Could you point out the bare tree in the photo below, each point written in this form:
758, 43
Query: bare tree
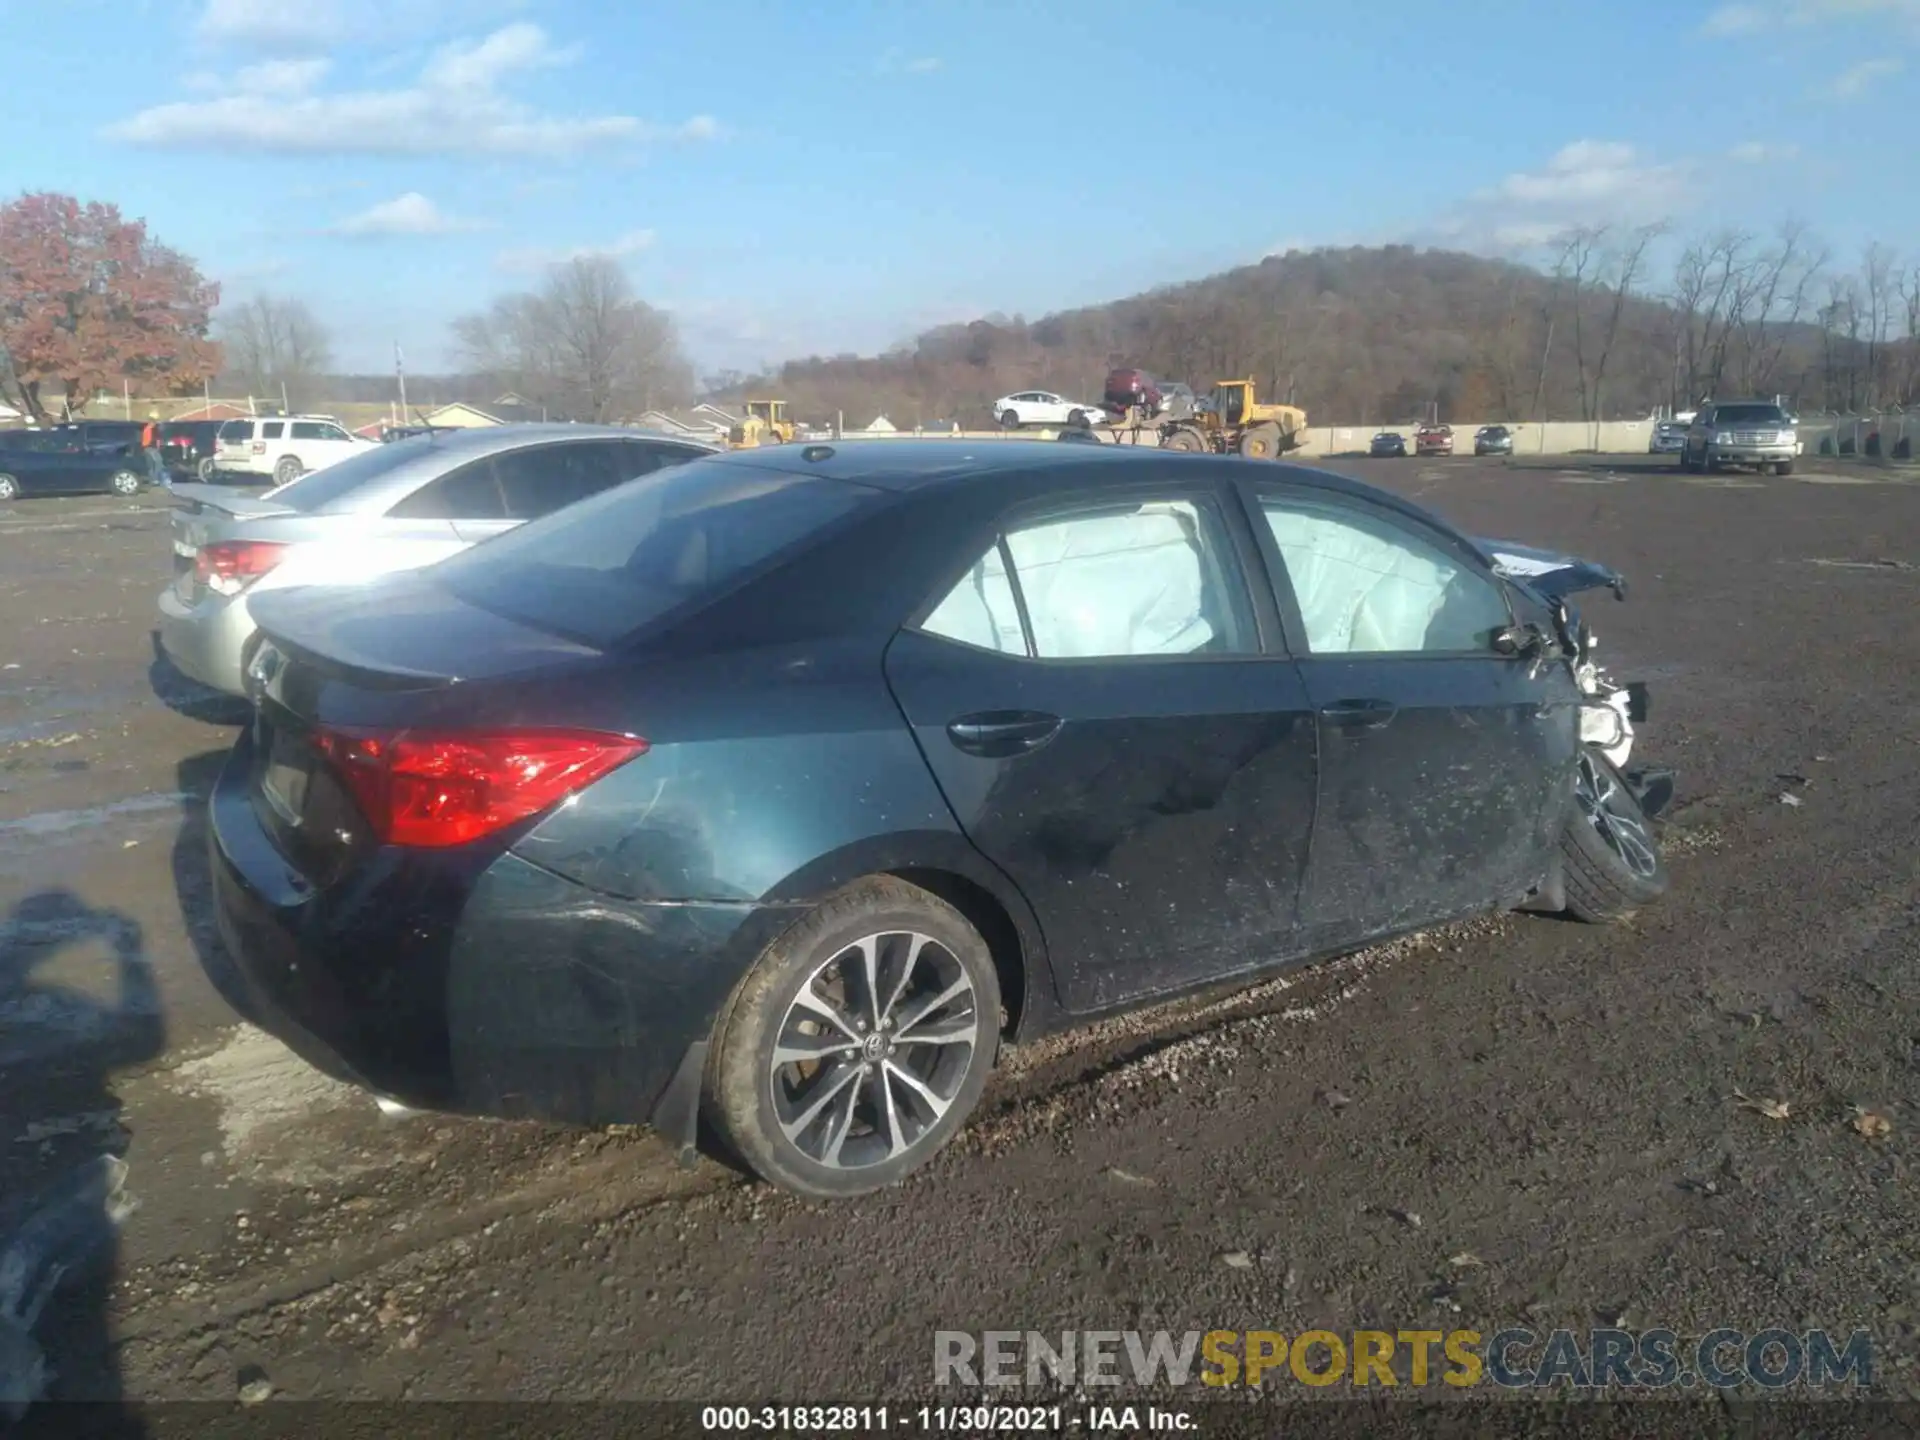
274, 345
1910, 345
1785, 277
1878, 288
583, 344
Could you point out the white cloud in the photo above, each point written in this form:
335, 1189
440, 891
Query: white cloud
409, 214
1857, 80
280, 77
280, 25
1758, 15
625, 247
898, 62
1759, 152
456, 107
1588, 182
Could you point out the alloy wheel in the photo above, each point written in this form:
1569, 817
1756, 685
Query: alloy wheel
874, 1050
1615, 816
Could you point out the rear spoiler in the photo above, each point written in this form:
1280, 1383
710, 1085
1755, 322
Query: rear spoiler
228, 500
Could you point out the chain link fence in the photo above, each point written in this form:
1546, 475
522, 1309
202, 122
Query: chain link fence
1891, 434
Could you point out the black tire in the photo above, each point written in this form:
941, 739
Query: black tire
1080, 420
1261, 442
745, 1090
1784, 467
287, 469
1009, 419
1186, 441
1608, 877
205, 470
9, 489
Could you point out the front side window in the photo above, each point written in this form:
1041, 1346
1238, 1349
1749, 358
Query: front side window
1111, 581
1368, 585
309, 430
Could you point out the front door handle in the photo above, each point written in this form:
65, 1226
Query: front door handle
1002, 734
1360, 714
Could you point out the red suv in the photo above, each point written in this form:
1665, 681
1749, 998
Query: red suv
1433, 440
1128, 388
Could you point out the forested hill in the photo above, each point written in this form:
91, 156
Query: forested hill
1371, 335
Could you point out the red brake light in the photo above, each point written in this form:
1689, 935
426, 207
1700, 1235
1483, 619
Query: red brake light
229, 566
435, 790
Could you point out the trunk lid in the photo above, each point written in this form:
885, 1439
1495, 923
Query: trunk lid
403, 632
202, 513
391, 656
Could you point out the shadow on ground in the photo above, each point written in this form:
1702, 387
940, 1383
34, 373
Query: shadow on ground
77, 1003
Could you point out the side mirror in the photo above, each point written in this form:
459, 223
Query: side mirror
1517, 642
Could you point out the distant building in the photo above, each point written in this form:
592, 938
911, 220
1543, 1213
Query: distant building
882, 426
509, 409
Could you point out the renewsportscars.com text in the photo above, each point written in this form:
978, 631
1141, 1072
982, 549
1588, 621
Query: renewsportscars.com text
1655, 1359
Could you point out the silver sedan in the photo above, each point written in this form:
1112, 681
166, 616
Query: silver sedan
397, 507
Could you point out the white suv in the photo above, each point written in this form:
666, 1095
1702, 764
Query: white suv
284, 447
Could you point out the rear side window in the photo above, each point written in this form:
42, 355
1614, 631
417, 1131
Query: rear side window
470, 493
1108, 582
318, 489
271, 429
602, 569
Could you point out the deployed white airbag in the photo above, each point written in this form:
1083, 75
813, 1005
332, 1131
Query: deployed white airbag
1359, 591
1125, 584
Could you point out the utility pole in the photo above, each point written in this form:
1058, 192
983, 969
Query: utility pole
400, 377
285, 408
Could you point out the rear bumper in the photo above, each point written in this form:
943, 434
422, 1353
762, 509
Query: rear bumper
205, 640
474, 982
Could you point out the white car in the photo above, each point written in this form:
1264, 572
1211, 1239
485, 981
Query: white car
284, 447
1042, 407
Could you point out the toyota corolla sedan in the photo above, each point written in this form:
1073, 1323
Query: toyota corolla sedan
784, 787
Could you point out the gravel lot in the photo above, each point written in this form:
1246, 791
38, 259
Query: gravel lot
1561, 1105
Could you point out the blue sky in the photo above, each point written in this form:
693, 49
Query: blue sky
790, 179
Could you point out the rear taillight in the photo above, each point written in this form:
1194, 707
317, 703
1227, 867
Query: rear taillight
434, 790
259, 447
229, 566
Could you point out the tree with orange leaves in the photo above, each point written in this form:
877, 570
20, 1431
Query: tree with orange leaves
88, 300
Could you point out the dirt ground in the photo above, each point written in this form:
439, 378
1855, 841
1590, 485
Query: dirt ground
1519, 1121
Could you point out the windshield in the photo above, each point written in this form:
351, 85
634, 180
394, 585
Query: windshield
601, 569
1749, 415
235, 431
318, 489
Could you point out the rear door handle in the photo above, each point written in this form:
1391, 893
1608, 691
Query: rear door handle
1360, 714
1002, 734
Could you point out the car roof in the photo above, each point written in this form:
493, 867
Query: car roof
910, 466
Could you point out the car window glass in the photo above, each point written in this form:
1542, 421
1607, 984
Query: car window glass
270, 429
309, 430
1367, 585
333, 432
236, 431
1143, 579
542, 478
470, 493
980, 610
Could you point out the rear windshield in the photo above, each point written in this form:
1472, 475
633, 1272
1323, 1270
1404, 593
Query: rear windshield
600, 570
236, 430
318, 489
1749, 415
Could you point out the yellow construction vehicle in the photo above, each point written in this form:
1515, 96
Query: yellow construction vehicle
766, 423
1231, 422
